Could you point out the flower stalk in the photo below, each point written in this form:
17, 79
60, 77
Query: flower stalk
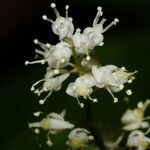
96, 132
88, 109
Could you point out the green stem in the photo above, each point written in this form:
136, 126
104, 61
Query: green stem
78, 64
91, 125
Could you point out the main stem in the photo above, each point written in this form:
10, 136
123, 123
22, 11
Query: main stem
92, 127
90, 121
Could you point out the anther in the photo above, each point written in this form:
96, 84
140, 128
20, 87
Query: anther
88, 58
41, 102
101, 44
53, 5
44, 17
26, 62
129, 92
36, 131
67, 7
115, 100
37, 114
36, 41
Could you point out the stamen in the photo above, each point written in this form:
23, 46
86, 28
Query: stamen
36, 91
111, 24
39, 52
35, 62
99, 13
119, 86
32, 88
94, 100
42, 45
42, 101
81, 104
103, 21
115, 99
39, 92
67, 7
147, 132
47, 19
37, 114
53, 5
49, 142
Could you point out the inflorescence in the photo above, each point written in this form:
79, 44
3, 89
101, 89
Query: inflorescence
72, 55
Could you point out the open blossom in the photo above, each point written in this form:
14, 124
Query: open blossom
95, 33
57, 56
112, 78
53, 123
138, 139
79, 138
82, 87
81, 43
91, 36
134, 119
62, 26
50, 83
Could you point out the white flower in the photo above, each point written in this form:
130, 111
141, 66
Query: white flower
50, 84
112, 78
95, 33
82, 87
138, 139
54, 123
134, 119
57, 56
82, 43
62, 26
79, 138
62, 52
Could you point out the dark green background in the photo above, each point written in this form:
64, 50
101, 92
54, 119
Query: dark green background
127, 44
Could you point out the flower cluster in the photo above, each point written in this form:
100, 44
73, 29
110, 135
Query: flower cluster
133, 120
72, 55
54, 123
134, 124
73, 50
